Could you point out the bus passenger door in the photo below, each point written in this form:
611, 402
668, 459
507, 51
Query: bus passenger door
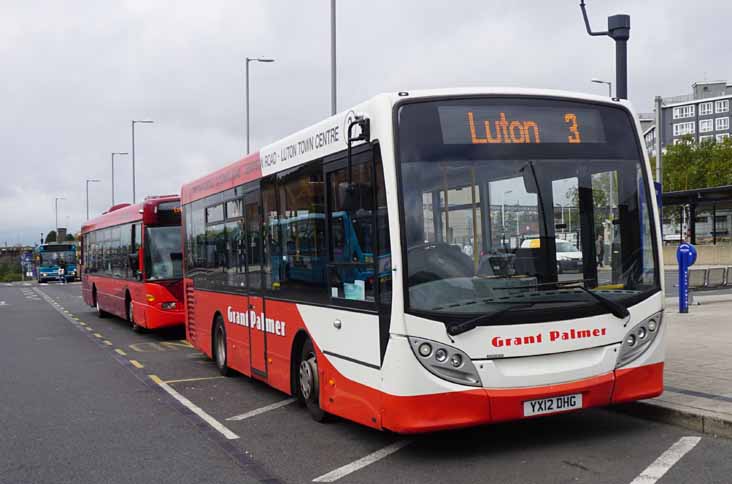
256, 279
257, 337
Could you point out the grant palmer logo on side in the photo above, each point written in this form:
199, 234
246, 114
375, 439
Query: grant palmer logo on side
256, 321
550, 337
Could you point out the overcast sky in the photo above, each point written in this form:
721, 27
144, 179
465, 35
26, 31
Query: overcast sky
74, 73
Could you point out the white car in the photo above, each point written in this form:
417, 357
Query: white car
569, 257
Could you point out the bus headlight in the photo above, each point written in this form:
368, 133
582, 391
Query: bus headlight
168, 305
446, 362
639, 339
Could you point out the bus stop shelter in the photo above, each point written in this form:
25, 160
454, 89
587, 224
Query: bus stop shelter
700, 216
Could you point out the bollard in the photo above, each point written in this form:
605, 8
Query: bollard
685, 256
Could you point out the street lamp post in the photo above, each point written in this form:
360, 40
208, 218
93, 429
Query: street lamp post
56, 206
113, 155
146, 121
246, 89
503, 213
87, 194
333, 105
609, 85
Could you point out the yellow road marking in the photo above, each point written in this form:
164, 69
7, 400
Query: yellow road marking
98, 335
107, 342
82, 323
136, 364
89, 328
194, 379
120, 352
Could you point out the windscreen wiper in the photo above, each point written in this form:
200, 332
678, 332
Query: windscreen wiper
459, 328
617, 309
462, 327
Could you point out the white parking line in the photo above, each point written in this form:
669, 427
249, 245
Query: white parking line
195, 409
333, 476
660, 466
262, 410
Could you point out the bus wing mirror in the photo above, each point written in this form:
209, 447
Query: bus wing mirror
529, 181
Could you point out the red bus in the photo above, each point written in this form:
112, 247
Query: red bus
371, 264
131, 258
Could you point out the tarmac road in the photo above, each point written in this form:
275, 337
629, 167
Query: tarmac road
84, 403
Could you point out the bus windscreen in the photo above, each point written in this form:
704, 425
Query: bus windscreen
514, 220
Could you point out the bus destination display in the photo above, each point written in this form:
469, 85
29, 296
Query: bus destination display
506, 124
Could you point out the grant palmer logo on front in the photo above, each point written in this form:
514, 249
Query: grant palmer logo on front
552, 336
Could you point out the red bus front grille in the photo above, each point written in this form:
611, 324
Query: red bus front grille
190, 313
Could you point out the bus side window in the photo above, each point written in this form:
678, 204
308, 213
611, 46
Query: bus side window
133, 259
301, 267
353, 236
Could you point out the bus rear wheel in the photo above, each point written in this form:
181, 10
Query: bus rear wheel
131, 318
308, 384
219, 347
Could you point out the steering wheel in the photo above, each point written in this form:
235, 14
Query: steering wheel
432, 261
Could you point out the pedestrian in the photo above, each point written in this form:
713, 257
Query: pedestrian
600, 249
62, 270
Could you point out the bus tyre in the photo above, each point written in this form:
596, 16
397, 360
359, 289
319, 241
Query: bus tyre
308, 385
100, 312
131, 318
219, 347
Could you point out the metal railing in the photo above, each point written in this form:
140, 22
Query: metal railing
709, 279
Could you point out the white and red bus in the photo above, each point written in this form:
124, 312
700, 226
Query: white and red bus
372, 264
132, 263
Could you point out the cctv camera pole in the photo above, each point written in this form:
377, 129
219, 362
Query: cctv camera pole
618, 29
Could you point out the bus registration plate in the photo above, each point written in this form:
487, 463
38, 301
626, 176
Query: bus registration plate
552, 404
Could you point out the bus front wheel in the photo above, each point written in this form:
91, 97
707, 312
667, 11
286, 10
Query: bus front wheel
100, 312
131, 318
308, 385
219, 347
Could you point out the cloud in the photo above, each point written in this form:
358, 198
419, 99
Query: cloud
76, 73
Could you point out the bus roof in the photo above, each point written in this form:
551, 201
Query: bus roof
329, 136
122, 213
230, 176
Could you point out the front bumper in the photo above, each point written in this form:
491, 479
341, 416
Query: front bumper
427, 413
156, 318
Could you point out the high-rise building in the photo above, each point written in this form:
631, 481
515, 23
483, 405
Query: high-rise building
704, 114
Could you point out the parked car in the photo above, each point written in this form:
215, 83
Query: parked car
569, 257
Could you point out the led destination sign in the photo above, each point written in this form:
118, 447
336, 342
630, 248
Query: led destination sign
520, 124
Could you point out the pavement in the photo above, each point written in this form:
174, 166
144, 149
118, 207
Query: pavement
85, 399
698, 369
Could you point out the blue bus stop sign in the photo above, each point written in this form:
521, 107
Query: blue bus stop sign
685, 256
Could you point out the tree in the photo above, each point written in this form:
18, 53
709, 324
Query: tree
689, 165
70, 238
51, 237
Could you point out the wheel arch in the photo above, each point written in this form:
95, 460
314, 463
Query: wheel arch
128, 300
217, 314
297, 343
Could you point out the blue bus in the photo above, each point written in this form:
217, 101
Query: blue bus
51, 257
302, 249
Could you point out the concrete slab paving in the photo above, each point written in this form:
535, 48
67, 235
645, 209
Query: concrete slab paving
698, 369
